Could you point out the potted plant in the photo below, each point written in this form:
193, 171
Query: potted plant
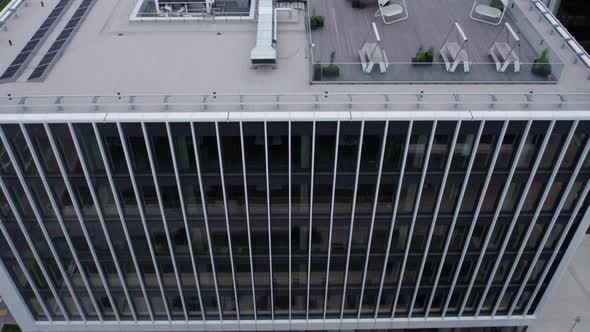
332, 69
497, 4
316, 21
317, 72
424, 57
10, 328
542, 65
430, 55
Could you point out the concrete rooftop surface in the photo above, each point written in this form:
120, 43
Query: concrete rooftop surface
111, 54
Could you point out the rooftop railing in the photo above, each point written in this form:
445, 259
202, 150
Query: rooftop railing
373, 103
427, 72
556, 28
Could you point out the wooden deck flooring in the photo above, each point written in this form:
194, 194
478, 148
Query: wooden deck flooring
429, 21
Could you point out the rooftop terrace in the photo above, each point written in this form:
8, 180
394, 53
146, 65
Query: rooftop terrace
428, 25
111, 54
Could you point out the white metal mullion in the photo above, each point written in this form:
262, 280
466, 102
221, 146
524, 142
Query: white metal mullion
39, 218
59, 217
562, 238
331, 218
373, 213
435, 216
414, 216
289, 208
22, 266
518, 209
100, 215
246, 203
310, 217
272, 307
501, 201
503, 196
231, 255
206, 219
23, 229
482, 196
394, 216
71, 192
143, 220
539, 208
454, 222
184, 218
350, 231
107, 168
163, 213
556, 214
562, 202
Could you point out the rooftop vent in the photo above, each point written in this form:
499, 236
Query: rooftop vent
264, 53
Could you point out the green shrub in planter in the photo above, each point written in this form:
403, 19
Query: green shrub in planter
316, 22
542, 65
497, 4
424, 57
429, 55
420, 55
11, 328
331, 70
317, 72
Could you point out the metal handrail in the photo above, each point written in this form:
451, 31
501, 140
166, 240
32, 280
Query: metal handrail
315, 101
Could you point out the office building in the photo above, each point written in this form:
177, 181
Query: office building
236, 166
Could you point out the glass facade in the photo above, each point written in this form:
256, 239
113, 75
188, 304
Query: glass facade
288, 220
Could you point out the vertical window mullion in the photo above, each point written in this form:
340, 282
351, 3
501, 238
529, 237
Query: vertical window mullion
185, 220
242, 148
60, 220
231, 256
356, 180
414, 216
310, 217
206, 218
373, 213
87, 236
22, 266
454, 222
290, 221
556, 252
40, 221
272, 306
164, 219
143, 220
435, 216
501, 200
534, 220
27, 237
331, 218
562, 202
480, 202
518, 209
107, 167
394, 215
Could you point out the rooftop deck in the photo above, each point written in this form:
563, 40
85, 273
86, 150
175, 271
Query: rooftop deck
428, 24
110, 55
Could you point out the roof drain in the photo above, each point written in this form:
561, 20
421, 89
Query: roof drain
265, 53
